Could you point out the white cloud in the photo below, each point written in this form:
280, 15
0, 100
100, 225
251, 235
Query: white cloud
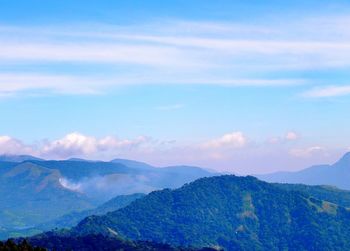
12, 146
76, 144
73, 145
70, 185
75, 84
110, 142
112, 53
288, 137
11, 83
234, 139
291, 136
329, 91
307, 152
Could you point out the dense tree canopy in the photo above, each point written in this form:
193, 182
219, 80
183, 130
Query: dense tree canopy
237, 213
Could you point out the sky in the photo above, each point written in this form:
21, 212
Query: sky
238, 86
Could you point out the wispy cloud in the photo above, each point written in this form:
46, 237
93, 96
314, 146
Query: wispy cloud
97, 84
307, 152
328, 91
172, 52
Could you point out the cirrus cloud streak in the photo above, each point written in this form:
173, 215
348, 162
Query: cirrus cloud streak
172, 52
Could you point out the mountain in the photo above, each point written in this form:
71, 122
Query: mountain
34, 191
105, 180
101, 181
52, 241
176, 176
72, 219
17, 158
21, 246
76, 170
327, 193
337, 175
166, 177
82, 160
133, 164
31, 194
117, 203
236, 213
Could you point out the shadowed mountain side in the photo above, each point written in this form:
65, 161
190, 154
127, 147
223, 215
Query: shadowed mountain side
72, 219
52, 241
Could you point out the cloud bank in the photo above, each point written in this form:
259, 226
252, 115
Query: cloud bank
232, 152
72, 145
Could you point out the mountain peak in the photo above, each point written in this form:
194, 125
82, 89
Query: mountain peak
232, 212
344, 161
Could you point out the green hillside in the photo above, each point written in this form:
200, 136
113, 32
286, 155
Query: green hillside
328, 193
30, 193
237, 213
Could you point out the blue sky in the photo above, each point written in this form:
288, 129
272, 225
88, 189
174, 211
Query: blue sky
229, 85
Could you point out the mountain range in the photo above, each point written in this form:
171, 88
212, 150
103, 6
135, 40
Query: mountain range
34, 191
337, 175
229, 212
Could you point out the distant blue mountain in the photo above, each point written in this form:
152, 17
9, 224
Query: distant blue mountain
103, 180
133, 164
79, 169
34, 191
337, 175
82, 160
17, 158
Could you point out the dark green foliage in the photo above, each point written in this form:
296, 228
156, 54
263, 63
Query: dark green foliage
10, 245
62, 242
117, 203
237, 213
